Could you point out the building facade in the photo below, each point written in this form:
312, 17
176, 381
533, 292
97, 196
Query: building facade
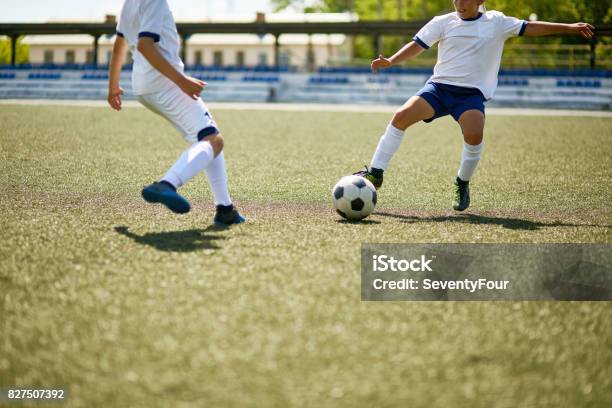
298, 50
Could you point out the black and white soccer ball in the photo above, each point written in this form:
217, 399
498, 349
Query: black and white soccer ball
354, 197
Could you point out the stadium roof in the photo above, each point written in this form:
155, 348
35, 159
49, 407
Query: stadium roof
220, 39
282, 17
197, 39
350, 28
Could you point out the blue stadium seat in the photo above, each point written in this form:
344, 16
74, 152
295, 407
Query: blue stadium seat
378, 79
240, 68
44, 75
578, 83
328, 80
260, 78
95, 75
513, 82
211, 78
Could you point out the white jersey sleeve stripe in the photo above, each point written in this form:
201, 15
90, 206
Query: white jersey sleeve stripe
512, 26
154, 36
151, 15
152, 19
421, 43
430, 34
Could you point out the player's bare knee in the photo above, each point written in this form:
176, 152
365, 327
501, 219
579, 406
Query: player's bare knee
216, 141
218, 144
211, 135
401, 119
473, 138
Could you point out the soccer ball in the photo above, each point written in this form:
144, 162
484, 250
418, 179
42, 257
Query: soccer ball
354, 197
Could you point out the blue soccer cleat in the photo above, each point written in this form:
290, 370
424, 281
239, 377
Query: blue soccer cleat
165, 194
227, 215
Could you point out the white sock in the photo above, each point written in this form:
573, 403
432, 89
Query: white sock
193, 160
217, 179
388, 145
469, 160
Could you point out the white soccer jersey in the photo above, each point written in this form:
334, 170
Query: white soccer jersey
470, 51
150, 18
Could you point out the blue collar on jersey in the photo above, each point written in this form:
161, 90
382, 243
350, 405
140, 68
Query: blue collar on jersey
473, 18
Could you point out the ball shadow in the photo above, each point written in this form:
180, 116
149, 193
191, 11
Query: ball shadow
358, 222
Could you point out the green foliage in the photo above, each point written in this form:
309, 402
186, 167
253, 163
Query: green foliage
5, 52
282, 4
595, 12
554, 10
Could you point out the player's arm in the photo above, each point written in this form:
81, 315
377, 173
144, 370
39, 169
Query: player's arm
191, 86
117, 59
542, 28
410, 50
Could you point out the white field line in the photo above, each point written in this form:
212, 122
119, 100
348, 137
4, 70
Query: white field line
318, 107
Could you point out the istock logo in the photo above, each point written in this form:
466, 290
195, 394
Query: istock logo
384, 263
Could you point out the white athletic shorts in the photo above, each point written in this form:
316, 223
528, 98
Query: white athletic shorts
190, 117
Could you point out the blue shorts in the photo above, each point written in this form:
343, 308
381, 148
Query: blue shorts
451, 100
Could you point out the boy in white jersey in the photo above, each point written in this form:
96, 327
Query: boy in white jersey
471, 44
148, 29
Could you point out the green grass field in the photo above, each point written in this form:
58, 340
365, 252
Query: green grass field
131, 306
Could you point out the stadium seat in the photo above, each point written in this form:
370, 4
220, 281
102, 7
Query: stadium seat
378, 79
260, 78
325, 80
211, 78
44, 75
100, 76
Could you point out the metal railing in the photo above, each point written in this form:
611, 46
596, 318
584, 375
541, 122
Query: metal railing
523, 56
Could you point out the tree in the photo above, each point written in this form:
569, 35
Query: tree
599, 11
22, 51
592, 11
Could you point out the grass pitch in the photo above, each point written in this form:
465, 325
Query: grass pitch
130, 305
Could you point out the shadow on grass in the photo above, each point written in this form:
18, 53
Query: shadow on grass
176, 241
505, 222
358, 222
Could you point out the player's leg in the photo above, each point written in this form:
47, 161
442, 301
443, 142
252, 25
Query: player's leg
196, 158
472, 125
196, 125
414, 110
196, 118
192, 161
163, 191
216, 174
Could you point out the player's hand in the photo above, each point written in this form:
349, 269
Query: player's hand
193, 87
584, 29
380, 62
114, 97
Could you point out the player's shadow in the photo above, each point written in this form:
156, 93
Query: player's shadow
505, 222
176, 241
